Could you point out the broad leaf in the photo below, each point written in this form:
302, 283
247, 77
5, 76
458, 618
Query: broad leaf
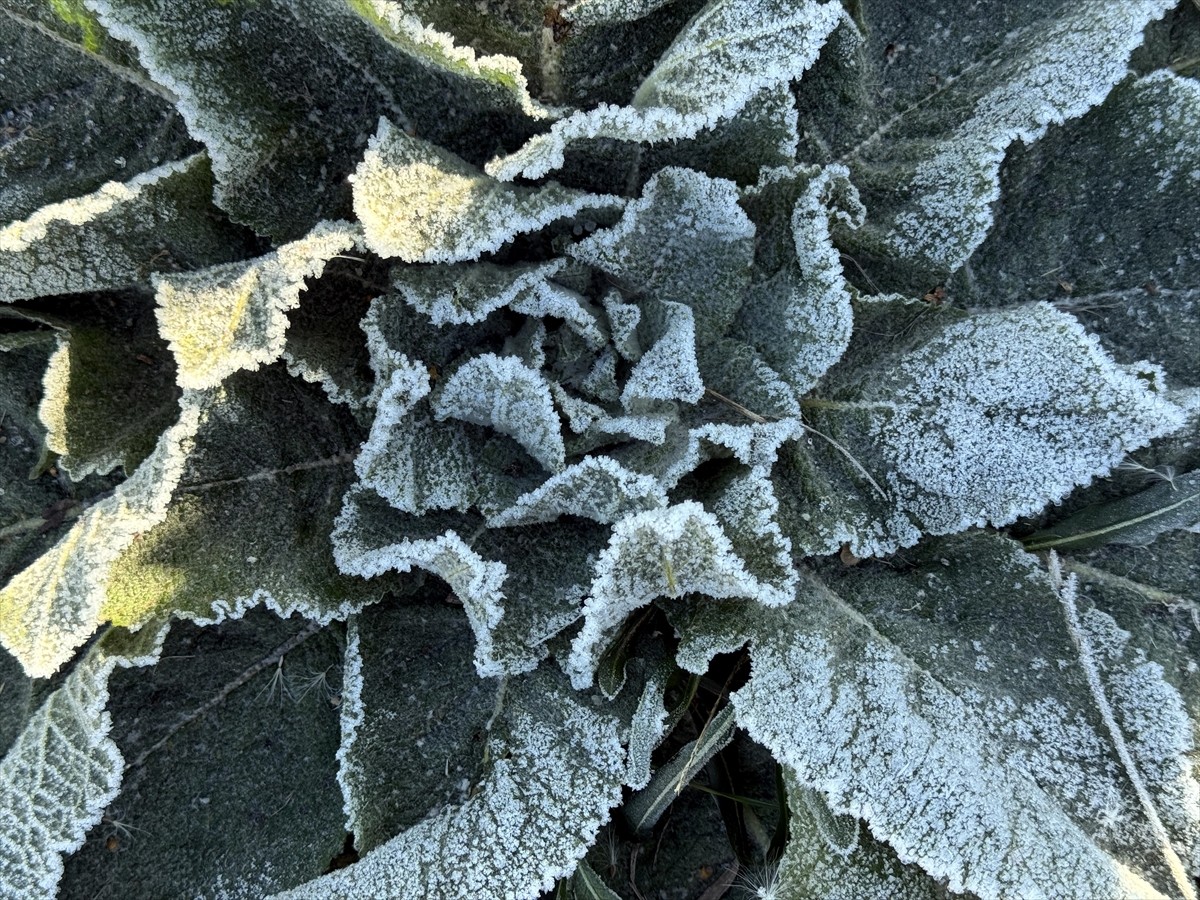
554, 771
728, 53
941, 422
232, 317
256, 694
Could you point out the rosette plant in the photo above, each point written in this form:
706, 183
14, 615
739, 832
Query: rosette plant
612, 448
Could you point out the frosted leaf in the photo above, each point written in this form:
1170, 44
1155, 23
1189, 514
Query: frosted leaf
56, 603
232, 317
249, 520
854, 717
421, 203
556, 771
1136, 519
967, 421
469, 293
109, 389
706, 630
646, 807
601, 381
684, 241
63, 769
498, 76
668, 370
734, 371
397, 769
800, 317
427, 544
762, 134
604, 12
261, 115
501, 392
221, 697
596, 488
1127, 245
728, 53
554, 300
596, 427
659, 553
62, 142
748, 511
117, 235
834, 857
646, 730
623, 319
1023, 670
1044, 72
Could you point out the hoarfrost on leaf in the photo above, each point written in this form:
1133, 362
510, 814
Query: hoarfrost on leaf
596, 487
556, 771
421, 203
659, 553
232, 317
503, 393
730, 52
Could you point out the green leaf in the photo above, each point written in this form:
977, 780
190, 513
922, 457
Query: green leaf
942, 422
993, 714
79, 112
232, 317
929, 172
250, 518
730, 52
555, 771
421, 203
1137, 519
53, 605
278, 168
414, 718
587, 885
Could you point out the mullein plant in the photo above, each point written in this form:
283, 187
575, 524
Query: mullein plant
612, 448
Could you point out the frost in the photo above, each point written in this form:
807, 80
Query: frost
668, 370
685, 241
800, 319
421, 203
1055, 71
115, 236
882, 740
659, 553
475, 581
556, 771
730, 51
233, 317
646, 731
62, 771
1005, 412
586, 13
452, 295
597, 488
748, 511
53, 605
503, 393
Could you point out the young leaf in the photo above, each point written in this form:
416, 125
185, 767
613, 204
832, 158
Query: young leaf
660, 553
596, 487
501, 392
646, 806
